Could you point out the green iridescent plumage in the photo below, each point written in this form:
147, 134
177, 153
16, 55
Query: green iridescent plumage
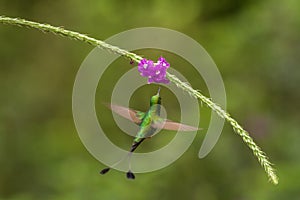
148, 123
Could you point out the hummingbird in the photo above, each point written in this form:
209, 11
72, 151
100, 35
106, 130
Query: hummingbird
148, 123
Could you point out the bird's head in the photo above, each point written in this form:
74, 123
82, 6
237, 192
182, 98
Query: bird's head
155, 99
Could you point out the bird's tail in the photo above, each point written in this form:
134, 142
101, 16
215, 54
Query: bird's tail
136, 144
129, 174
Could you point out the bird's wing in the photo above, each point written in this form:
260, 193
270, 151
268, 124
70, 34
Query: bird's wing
166, 124
158, 122
133, 115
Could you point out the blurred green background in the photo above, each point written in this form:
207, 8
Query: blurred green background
256, 46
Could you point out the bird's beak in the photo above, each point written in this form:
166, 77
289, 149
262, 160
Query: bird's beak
158, 91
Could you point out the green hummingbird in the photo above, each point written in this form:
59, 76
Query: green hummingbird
148, 123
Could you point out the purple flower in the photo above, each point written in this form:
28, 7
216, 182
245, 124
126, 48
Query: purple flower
146, 67
156, 72
162, 61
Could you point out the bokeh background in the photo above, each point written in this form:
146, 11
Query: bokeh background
256, 46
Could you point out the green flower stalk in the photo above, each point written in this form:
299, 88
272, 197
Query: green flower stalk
258, 153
